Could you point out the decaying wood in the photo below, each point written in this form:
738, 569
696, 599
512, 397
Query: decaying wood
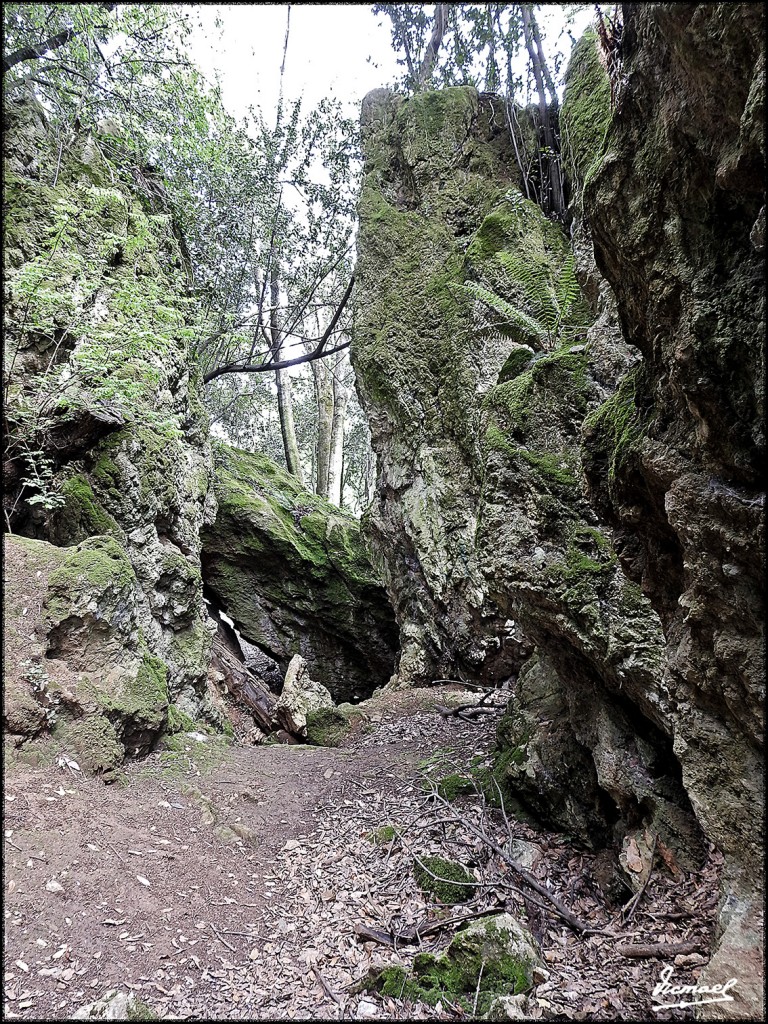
242, 684
662, 949
468, 712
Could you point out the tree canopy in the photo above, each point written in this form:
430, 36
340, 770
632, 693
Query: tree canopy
264, 208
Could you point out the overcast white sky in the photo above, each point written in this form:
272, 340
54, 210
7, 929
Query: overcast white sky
328, 51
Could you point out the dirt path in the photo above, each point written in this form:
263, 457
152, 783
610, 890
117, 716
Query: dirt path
231, 889
153, 881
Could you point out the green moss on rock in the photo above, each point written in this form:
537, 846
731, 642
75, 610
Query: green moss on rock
453, 785
519, 359
292, 572
589, 555
586, 112
326, 728
98, 568
489, 959
92, 741
81, 516
138, 1010
612, 433
453, 883
178, 721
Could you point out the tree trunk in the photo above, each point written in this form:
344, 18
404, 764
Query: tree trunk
283, 383
433, 46
552, 197
325, 413
336, 466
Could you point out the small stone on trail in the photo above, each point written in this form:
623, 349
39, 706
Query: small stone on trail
366, 1010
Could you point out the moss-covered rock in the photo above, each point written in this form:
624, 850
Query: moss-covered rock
102, 401
586, 112
489, 958
679, 465
482, 373
93, 742
327, 728
445, 880
292, 572
116, 1006
437, 170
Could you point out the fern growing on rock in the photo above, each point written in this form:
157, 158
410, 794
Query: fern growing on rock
550, 311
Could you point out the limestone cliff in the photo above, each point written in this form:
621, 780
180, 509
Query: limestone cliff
292, 573
477, 368
106, 460
436, 166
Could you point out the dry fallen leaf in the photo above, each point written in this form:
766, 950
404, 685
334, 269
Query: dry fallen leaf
143, 880
634, 860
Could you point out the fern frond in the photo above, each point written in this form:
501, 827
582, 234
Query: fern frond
567, 289
510, 313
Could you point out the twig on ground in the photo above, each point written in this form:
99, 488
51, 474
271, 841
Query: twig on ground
118, 855
326, 987
477, 990
415, 935
562, 911
221, 939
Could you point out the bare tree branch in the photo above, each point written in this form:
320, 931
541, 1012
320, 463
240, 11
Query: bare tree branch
319, 352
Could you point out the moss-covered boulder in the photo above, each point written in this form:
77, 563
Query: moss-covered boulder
327, 727
445, 880
81, 680
292, 573
489, 958
106, 431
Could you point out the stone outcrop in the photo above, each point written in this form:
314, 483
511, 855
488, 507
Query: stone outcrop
436, 167
598, 488
301, 698
292, 573
107, 457
480, 474
677, 463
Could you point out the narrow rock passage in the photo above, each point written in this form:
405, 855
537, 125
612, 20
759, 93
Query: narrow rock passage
234, 890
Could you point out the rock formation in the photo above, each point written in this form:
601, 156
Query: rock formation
106, 463
436, 166
597, 487
291, 571
675, 206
